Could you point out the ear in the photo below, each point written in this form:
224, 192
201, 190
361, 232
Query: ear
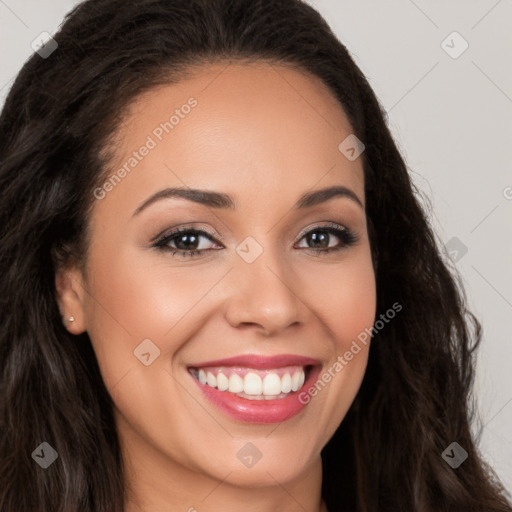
70, 297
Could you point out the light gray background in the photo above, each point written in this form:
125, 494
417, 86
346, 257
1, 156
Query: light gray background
452, 120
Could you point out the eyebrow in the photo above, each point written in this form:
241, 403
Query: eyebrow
221, 200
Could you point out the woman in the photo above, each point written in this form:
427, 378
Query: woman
219, 290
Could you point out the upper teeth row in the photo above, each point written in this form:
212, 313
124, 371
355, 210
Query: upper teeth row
252, 383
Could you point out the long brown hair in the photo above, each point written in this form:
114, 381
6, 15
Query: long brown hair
61, 112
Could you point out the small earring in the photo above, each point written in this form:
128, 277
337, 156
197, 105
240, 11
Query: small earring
70, 320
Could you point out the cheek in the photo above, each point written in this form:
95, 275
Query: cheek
349, 313
347, 300
353, 314
127, 305
146, 297
138, 298
356, 304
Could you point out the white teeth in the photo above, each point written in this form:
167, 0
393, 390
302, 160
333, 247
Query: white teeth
286, 383
252, 384
236, 384
222, 382
296, 384
211, 380
271, 384
264, 385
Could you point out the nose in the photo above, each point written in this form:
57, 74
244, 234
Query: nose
263, 295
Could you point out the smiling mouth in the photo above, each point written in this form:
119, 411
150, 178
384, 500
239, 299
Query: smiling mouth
252, 383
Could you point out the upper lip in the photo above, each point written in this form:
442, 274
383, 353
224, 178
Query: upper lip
260, 362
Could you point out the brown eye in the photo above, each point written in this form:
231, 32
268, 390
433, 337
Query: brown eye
319, 238
185, 242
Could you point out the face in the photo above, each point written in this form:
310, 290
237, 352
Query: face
261, 294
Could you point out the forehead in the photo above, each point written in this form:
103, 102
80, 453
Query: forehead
260, 128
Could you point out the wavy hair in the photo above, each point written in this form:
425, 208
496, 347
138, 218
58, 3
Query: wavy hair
56, 130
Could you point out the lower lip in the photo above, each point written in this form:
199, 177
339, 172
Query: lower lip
258, 411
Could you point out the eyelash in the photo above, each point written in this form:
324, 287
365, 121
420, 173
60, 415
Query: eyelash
346, 236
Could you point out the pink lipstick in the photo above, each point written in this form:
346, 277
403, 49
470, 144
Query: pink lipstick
255, 388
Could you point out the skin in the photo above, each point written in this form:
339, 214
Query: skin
265, 134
